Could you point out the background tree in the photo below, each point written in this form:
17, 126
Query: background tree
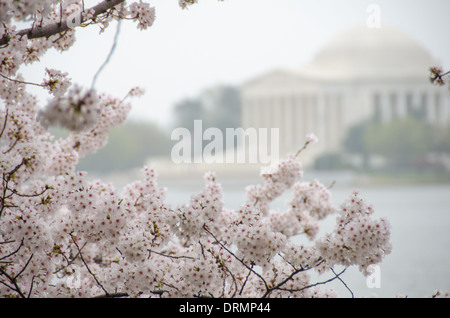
355, 142
218, 106
405, 144
129, 146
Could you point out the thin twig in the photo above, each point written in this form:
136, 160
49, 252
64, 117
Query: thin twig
284, 281
343, 282
4, 123
16, 287
21, 82
14, 191
315, 284
237, 258
13, 280
111, 52
14, 252
170, 256
245, 282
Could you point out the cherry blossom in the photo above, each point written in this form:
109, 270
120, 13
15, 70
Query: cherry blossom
144, 14
77, 111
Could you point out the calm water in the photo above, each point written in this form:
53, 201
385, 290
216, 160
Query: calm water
420, 218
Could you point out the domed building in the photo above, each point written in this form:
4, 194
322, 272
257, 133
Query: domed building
363, 73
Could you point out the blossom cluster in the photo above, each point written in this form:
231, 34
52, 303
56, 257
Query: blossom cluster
310, 203
185, 3
77, 111
57, 82
144, 14
358, 239
438, 76
278, 177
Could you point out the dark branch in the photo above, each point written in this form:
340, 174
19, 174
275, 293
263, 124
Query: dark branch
169, 256
343, 282
13, 280
336, 276
237, 258
87, 267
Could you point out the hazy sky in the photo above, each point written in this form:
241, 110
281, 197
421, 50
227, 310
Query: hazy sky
187, 51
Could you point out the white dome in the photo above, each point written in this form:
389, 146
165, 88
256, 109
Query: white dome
362, 52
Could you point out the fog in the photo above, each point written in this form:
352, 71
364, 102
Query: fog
229, 42
199, 59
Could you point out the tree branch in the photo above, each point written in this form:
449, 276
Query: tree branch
237, 258
169, 256
338, 276
12, 253
13, 280
113, 48
20, 82
59, 27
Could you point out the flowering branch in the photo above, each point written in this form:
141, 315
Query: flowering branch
336, 276
340, 279
250, 268
13, 278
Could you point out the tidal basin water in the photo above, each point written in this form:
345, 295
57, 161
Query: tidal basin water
420, 217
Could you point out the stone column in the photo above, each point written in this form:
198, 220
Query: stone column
307, 117
401, 105
447, 98
393, 104
430, 109
444, 109
290, 117
331, 122
340, 128
245, 112
320, 117
276, 116
298, 121
438, 107
304, 118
